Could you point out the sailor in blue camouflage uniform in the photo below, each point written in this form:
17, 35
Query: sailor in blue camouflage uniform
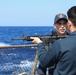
60, 23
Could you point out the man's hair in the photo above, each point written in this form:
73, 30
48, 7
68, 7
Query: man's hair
72, 14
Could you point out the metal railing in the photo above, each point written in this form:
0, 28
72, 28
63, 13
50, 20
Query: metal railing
18, 60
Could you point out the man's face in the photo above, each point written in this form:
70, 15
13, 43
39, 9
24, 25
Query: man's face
61, 26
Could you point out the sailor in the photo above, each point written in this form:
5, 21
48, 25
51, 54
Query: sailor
60, 23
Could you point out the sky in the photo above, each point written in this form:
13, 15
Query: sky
32, 12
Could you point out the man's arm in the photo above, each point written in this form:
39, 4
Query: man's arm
48, 58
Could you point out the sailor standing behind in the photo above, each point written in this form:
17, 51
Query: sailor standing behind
60, 23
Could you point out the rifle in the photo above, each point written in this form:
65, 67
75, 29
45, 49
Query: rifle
45, 38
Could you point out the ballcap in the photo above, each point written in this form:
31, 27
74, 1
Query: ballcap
60, 16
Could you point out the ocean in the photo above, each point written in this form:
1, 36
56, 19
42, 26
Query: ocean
18, 59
